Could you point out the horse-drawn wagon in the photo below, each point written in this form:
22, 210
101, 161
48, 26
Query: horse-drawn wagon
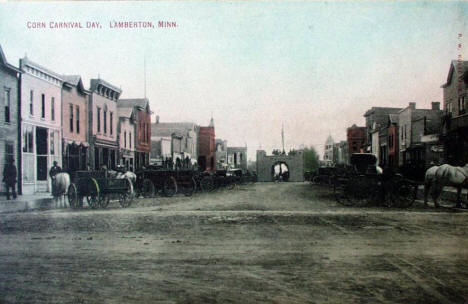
167, 181
364, 183
98, 189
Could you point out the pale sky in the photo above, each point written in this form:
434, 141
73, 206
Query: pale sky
314, 66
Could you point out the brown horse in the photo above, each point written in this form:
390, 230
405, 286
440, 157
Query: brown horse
438, 177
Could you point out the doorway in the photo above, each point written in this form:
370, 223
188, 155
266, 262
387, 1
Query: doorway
41, 153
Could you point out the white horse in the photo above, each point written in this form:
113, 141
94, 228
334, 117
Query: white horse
437, 177
131, 178
60, 184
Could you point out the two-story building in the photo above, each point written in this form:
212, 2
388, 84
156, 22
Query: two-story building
9, 119
221, 154
74, 124
126, 130
142, 122
379, 116
102, 124
41, 125
207, 147
237, 158
455, 131
413, 124
356, 138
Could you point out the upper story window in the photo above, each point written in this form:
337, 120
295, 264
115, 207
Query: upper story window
42, 106
7, 105
52, 108
77, 119
461, 105
98, 119
105, 121
125, 139
111, 118
130, 139
71, 118
31, 102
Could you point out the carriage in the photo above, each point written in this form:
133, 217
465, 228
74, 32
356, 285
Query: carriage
156, 179
227, 178
98, 189
363, 183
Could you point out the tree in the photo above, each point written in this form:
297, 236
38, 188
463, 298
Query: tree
276, 152
311, 159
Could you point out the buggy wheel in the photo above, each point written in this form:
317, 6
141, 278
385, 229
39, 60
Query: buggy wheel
147, 188
404, 194
73, 196
206, 184
359, 191
190, 188
170, 186
339, 191
104, 201
124, 200
92, 197
316, 180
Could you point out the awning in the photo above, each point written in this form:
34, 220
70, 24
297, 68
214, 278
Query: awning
76, 143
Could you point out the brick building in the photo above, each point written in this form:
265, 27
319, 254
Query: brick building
102, 124
207, 148
9, 118
455, 131
356, 138
74, 124
41, 125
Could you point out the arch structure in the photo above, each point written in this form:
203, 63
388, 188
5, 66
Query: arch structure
266, 164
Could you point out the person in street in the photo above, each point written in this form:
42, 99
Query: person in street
53, 171
9, 178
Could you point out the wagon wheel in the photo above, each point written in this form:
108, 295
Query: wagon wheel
404, 194
92, 197
359, 191
231, 184
206, 184
126, 198
316, 180
170, 186
104, 201
339, 186
147, 188
191, 187
73, 196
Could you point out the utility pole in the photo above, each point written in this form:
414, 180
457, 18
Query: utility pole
144, 71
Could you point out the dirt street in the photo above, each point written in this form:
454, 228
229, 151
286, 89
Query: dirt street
263, 243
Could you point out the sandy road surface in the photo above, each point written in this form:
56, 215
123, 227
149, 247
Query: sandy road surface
264, 243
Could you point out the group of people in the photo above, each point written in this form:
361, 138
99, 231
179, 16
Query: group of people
10, 177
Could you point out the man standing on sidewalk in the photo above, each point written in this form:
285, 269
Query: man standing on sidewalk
53, 171
9, 178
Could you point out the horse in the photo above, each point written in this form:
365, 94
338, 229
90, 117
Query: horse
438, 177
60, 184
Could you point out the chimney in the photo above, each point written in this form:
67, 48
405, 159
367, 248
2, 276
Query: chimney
157, 119
412, 105
435, 105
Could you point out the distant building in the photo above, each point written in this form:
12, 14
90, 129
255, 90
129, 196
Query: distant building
74, 124
142, 134
41, 125
126, 129
221, 154
207, 147
9, 119
356, 138
328, 152
379, 116
174, 140
414, 124
340, 153
237, 158
455, 131
102, 127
